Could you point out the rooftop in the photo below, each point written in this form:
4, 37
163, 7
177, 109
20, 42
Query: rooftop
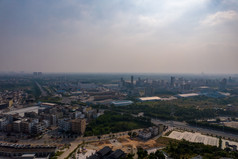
149, 98
104, 151
121, 102
188, 95
28, 155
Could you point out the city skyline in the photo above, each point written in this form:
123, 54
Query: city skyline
154, 36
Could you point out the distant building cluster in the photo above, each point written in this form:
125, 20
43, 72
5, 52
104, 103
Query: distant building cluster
37, 73
13, 98
68, 119
68, 105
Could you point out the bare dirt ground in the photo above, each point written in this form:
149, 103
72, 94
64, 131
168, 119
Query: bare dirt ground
232, 124
125, 143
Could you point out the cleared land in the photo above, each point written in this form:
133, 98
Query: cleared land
233, 124
125, 143
195, 137
199, 138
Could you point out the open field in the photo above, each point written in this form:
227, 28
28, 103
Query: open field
232, 124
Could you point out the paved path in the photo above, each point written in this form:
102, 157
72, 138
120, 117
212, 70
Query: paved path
43, 92
67, 152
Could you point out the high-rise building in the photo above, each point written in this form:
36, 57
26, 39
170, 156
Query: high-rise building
172, 81
122, 84
38, 128
223, 84
78, 126
37, 73
132, 80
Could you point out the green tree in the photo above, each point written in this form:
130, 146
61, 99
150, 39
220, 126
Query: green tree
141, 153
130, 133
159, 155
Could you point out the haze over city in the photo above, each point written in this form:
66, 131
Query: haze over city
156, 36
120, 79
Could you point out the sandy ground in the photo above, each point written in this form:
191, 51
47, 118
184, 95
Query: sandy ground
85, 155
124, 143
232, 124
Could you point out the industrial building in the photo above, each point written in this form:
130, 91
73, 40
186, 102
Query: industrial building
146, 99
122, 103
187, 95
16, 151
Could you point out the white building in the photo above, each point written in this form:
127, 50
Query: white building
146, 99
122, 103
187, 95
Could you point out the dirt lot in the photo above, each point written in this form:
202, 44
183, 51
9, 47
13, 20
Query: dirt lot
126, 144
231, 124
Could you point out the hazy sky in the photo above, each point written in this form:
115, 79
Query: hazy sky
160, 36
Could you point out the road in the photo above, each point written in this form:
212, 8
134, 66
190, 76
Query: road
67, 152
43, 92
185, 126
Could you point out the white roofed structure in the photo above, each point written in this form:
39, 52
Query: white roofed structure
144, 99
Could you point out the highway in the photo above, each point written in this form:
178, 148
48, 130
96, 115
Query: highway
43, 92
185, 126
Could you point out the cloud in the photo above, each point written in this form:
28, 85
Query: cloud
220, 17
151, 35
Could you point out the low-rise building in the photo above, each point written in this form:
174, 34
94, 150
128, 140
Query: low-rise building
122, 103
16, 151
64, 124
145, 134
38, 128
107, 153
78, 126
149, 132
146, 99
3, 123
26, 127
187, 95
17, 126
